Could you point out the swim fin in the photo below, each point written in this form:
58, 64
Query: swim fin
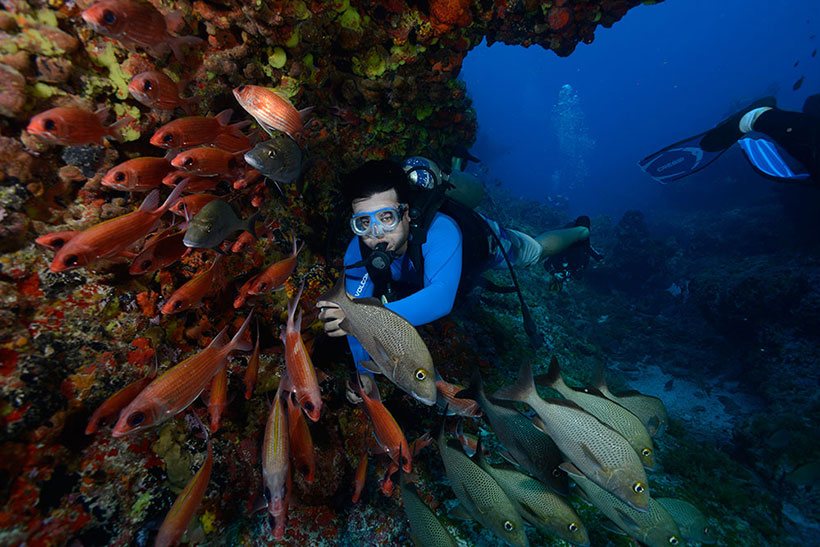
678, 160
727, 132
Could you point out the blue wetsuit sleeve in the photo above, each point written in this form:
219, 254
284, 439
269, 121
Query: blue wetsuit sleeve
442, 273
357, 284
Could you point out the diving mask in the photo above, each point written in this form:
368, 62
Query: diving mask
377, 223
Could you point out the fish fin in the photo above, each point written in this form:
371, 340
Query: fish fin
522, 390
529, 512
220, 339
114, 128
570, 469
507, 456
459, 512
294, 304
553, 375
475, 389
306, 113
176, 44
150, 202
588, 453
251, 224
173, 197
237, 342
610, 526
224, 117
629, 521
369, 365
102, 114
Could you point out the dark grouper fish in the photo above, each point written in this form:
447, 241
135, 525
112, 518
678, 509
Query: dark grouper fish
395, 346
597, 449
279, 158
479, 494
214, 223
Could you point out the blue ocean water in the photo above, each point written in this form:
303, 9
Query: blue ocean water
662, 73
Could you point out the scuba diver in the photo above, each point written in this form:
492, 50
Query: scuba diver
416, 248
781, 145
572, 262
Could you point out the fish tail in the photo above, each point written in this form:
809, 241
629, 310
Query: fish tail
306, 114
522, 389
224, 117
150, 202
553, 376
294, 304
113, 130
251, 224
237, 342
173, 197
475, 389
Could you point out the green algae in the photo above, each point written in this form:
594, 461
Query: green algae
277, 58
117, 78
424, 111
373, 65
45, 91
300, 10
140, 506
350, 19
128, 133
177, 461
295, 36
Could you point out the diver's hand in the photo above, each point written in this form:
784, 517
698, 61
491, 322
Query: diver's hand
333, 316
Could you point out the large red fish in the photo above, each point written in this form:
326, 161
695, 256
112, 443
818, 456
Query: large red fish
275, 275
271, 110
157, 90
137, 175
388, 432
208, 162
180, 385
276, 463
299, 366
189, 206
190, 294
112, 237
163, 249
139, 24
71, 126
179, 516
200, 130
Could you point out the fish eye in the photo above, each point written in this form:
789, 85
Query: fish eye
167, 138
135, 419
189, 161
177, 304
556, 473
673, 540
49, 124
147, 85
509, 526
421, 375
145, 264
263, 286
119, 176
572, 527
72, 260
109, 17
638, 488
646, 452
240, 89
308, 406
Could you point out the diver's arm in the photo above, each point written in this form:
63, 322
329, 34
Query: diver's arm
442, 273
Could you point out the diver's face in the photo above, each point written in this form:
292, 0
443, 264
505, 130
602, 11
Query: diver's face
396, 239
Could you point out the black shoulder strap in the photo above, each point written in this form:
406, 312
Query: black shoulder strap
423, 208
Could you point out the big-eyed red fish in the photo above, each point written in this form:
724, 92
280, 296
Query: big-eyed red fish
180, 385
161, 250
137, 175
119, 400
275, 275
201, 130
298, 364
71, 126
139, 24
190, 294
111, 237
189, 206
272, 111
157, 90
388, 432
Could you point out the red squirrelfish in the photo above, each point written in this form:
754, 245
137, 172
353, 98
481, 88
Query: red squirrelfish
200, 130
276, 464
189, 206
74, 126
156, 90
388, 433
218, 398
190, 294
242, 297
249, 177
114, 404
196, 183
137, 23
242, 242
180, 385
185, 507
137, 175
272, 111
252, 370
301, 443
208, 162
275, 275
455, 406
299, 366
55, 240
163, 249
112, 237
361, 476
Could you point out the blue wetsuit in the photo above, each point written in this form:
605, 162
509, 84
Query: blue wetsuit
442, 272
